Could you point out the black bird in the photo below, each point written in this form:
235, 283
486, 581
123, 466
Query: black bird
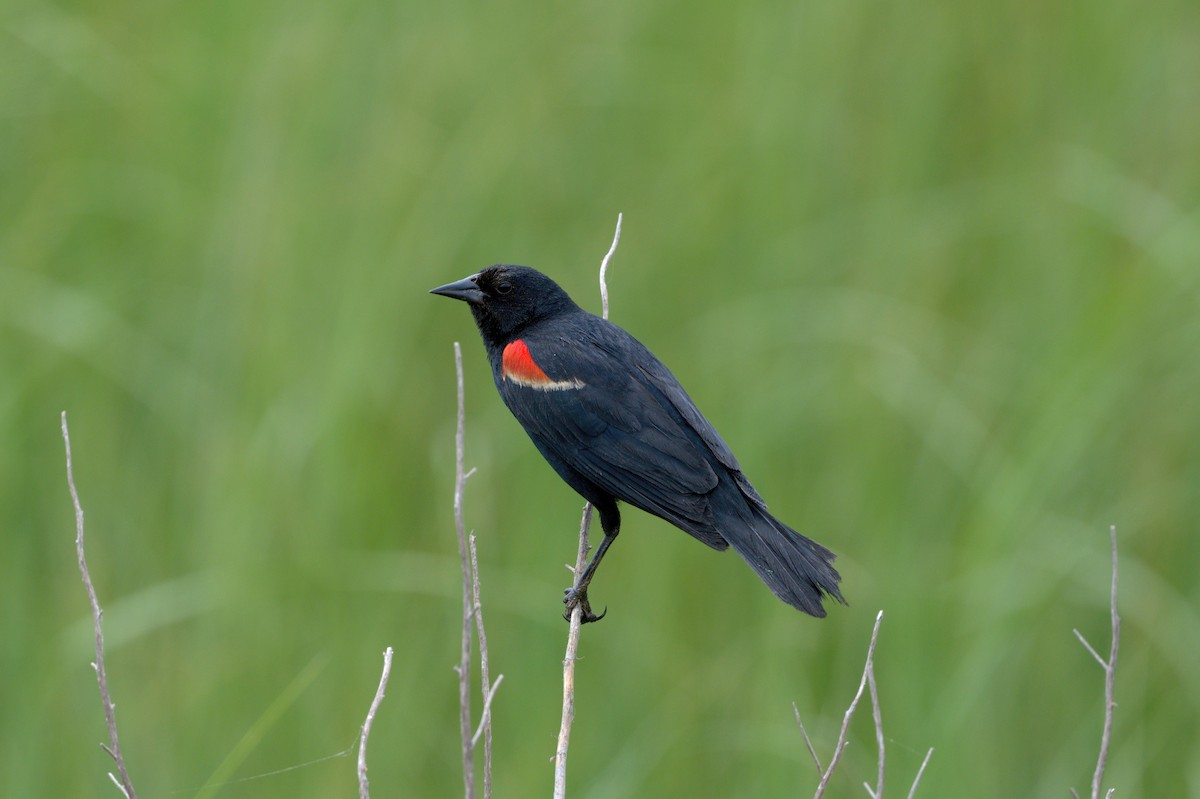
617, 426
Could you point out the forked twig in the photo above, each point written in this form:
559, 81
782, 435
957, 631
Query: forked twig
1110, 674
862, 684
125, 785
867, 681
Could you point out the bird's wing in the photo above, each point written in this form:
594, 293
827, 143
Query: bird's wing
618, 429
657, 375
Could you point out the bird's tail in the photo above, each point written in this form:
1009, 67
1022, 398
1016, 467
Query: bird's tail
798, 570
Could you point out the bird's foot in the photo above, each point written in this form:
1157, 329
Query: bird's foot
573, 597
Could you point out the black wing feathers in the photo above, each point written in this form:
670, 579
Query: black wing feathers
632, 432
618, 431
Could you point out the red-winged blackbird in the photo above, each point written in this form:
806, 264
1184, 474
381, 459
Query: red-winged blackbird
616, 425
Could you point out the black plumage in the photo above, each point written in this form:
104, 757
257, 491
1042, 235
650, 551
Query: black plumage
616, 425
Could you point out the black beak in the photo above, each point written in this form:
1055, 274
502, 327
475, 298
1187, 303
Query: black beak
466, 290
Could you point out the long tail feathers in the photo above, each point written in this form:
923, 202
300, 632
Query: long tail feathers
798, 570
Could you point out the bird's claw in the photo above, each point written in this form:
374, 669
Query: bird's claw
573, 598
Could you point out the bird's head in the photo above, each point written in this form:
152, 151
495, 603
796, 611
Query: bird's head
505, 299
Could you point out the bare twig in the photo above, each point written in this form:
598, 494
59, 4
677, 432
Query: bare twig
568, 707
917, 779
568, 704
486, 685
807, 740
862, 684
364, 791
485, 721
472, 609
464, 663
604, 268
1103, 663
867, 681
878, 717
1110, 673
125, 785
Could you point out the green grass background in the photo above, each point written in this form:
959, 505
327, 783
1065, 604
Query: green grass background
932, 268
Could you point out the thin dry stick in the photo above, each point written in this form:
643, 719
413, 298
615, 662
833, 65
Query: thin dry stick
604, 268
878, 716
364, 792
568, 704
868, 680
568, 707
1110, 673
487, 710
841, 741
489, 690
125, 785
464, 663
917, 779
807, 740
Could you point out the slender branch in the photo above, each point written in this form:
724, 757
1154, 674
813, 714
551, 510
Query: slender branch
464, 663
604, 268
1103, 663
485, 721
807, 740
867, 681
364, 792
568, 703
110, 717
878, 717
488, 688
1110, 673
862, 684
568, 707
472, 609
917, 779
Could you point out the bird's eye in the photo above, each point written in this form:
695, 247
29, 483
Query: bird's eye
503, 287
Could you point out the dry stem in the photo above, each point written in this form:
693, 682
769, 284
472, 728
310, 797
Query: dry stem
568, 706
867, 681
807, 740
364, 791
1110, 673
125, 785
464, 661
878, 717
862, 684
472, 609
486, 685
917, 779
604, 268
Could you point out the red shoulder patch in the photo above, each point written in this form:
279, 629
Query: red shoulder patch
517, 365
520, 367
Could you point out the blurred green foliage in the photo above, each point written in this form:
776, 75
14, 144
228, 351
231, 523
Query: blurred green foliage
931, 268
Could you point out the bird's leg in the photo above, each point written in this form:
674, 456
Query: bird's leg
610, 522
577, 594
